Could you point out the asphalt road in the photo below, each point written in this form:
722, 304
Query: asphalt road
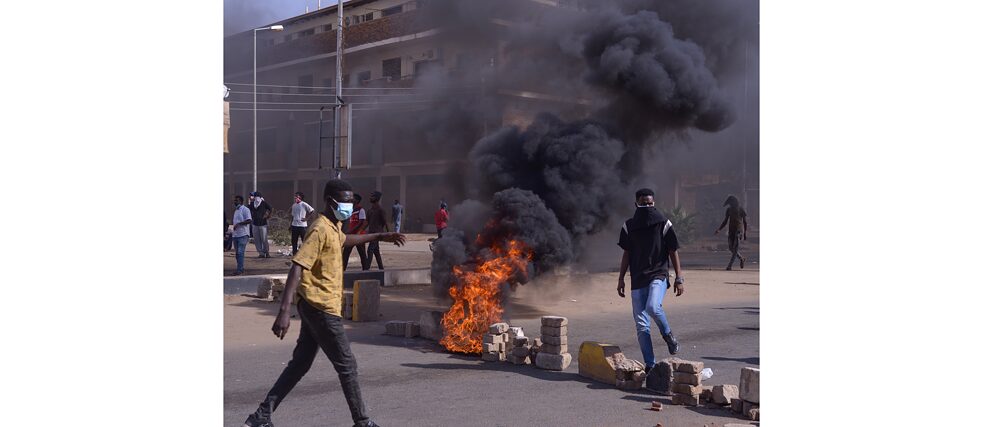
412, 382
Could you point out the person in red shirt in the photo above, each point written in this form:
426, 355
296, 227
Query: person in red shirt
440, 218
356, 225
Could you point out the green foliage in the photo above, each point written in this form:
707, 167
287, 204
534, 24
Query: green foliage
279, 227
683, 223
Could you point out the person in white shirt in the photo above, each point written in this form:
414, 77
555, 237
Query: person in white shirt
240, 232
299, 212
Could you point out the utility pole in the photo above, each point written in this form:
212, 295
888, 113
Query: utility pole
337, 84
747, 60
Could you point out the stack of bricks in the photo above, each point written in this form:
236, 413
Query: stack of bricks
517, 348
493, 343
686, 388
402, 328
553, 354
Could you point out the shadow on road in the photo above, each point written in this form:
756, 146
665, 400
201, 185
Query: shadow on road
749, 360
744, 328
527, 370
743, 283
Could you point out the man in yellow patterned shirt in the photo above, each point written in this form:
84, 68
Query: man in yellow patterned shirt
316, 277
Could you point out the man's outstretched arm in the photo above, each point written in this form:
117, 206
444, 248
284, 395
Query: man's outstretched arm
358, 239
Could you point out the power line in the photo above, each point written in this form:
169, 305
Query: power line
348, 88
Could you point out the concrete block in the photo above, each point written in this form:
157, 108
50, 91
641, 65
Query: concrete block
521, 351
492, 348
689, 366
548, 339
347, 300
517, 360
690, 390
516, 332
553, 362
556, 332
365, 301
596, 361
553, 321
685, 378
749, 409
750, 382
493, 339
430, 327
685, 399
555, 349
498, 328
265, 288
521, 341
725, 394
706, 395
412, 329
659, 378
754, 414
737, 405
396, 327
490, 356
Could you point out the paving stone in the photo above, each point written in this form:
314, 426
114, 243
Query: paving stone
749, 388
689, 366
555, 349
556, 332
493, 348
493, 339
498, 328
691, 390
685, 378
685, 399
553, 362
365, 302
430, 327
725, 394
548, 339
659, 378
412, 329
553, 321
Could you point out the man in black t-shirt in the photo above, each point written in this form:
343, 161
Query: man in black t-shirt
735, 217
261, 212
649, 243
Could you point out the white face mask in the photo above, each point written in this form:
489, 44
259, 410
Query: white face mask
343, 211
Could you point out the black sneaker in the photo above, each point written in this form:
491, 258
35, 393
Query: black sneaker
254, 421
742, 263
671, 343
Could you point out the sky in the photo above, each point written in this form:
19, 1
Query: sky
242, 15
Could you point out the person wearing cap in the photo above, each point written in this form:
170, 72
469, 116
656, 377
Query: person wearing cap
377, 224
261, 212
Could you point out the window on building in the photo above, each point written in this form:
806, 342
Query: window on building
305, 82
326, 28
364, 76
368, 16
392, 10
305, 33
392, 68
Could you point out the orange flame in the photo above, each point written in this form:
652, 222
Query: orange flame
477, 296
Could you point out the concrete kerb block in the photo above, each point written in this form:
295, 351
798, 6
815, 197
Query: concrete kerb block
412, 329
750, 384
265, 288
553, 321
430, 326
555, 349
347, 301
556, 332
553, 362
725, 394
549, 339
596, 361
365, 301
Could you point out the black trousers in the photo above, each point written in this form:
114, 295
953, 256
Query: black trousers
296, 232
374, 251
734, 244
318, 330
347, 253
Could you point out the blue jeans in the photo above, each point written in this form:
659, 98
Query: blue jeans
647, 303
240, 245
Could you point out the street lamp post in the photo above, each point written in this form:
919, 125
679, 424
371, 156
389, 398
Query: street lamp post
256, 30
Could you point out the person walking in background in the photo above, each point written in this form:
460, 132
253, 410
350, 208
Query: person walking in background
356, 225
734, 216
298, 222
377, 224
316, 278
240, 232
397, 216
261, 212
440, 218
649, 244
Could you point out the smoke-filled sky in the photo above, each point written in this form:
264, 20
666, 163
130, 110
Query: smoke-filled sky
242, 15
